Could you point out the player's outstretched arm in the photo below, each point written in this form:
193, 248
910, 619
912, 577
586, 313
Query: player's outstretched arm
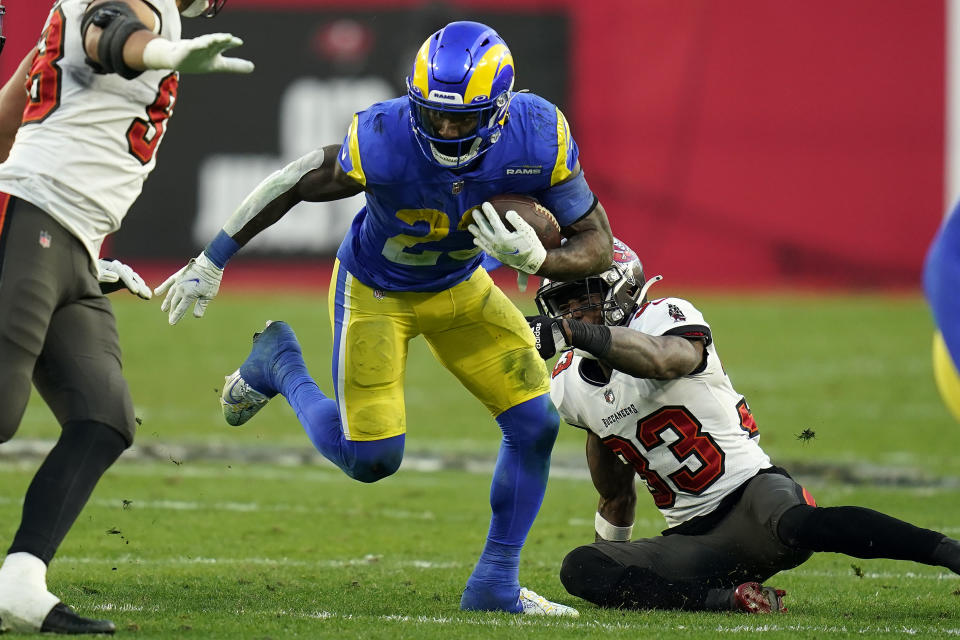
621, 348
314, 178
120, 36
645, 356
203, 54
614, 481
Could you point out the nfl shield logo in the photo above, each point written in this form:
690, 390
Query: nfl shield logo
378, 294
456, 187
608, 396
45, 239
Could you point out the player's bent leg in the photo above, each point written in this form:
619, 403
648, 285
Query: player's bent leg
361, 429
589, 573
275, 365
363, 460
371, 460
519, 483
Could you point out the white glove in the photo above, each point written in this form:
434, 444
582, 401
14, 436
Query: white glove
197, 282
114, 271
196, 55
520, 249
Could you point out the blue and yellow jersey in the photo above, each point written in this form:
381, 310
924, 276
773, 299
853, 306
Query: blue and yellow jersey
412, 234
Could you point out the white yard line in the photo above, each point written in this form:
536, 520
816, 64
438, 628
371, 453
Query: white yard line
243, 507
380, 560
368, 560
584, 624
904, 471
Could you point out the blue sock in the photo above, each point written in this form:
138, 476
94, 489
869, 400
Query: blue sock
519, 482
494, 585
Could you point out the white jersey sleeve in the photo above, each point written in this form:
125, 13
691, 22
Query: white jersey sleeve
88, 140
692, 439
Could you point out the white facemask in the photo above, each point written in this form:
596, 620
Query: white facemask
196, 9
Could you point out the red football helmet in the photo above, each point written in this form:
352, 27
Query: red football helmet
621, 287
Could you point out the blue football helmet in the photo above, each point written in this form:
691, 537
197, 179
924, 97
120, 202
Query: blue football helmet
463, 74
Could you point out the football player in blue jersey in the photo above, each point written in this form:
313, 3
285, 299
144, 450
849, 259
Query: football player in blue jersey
411, 265
941, 276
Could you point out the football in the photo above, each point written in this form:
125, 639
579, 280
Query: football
534, 213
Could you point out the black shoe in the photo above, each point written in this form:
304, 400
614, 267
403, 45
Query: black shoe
63, 619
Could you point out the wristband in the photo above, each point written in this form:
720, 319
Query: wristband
610, 532
592, 338
221, 249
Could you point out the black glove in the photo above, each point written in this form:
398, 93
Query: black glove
548, 335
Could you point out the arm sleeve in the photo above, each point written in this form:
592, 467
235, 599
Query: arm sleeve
223, 246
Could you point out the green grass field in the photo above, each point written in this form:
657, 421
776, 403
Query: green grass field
209, 531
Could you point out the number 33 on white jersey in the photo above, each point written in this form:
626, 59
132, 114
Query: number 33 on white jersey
692, 439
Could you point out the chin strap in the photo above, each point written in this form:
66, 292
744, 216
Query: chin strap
646, 287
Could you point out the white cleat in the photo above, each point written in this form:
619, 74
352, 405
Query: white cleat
536, 605
239, 400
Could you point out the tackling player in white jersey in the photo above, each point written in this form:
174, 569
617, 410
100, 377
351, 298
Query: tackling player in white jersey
80, 123
645, 381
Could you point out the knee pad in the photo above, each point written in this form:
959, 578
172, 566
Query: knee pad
375, 459
535, 422
583, 566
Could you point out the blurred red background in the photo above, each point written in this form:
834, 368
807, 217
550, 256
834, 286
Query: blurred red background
744, 143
